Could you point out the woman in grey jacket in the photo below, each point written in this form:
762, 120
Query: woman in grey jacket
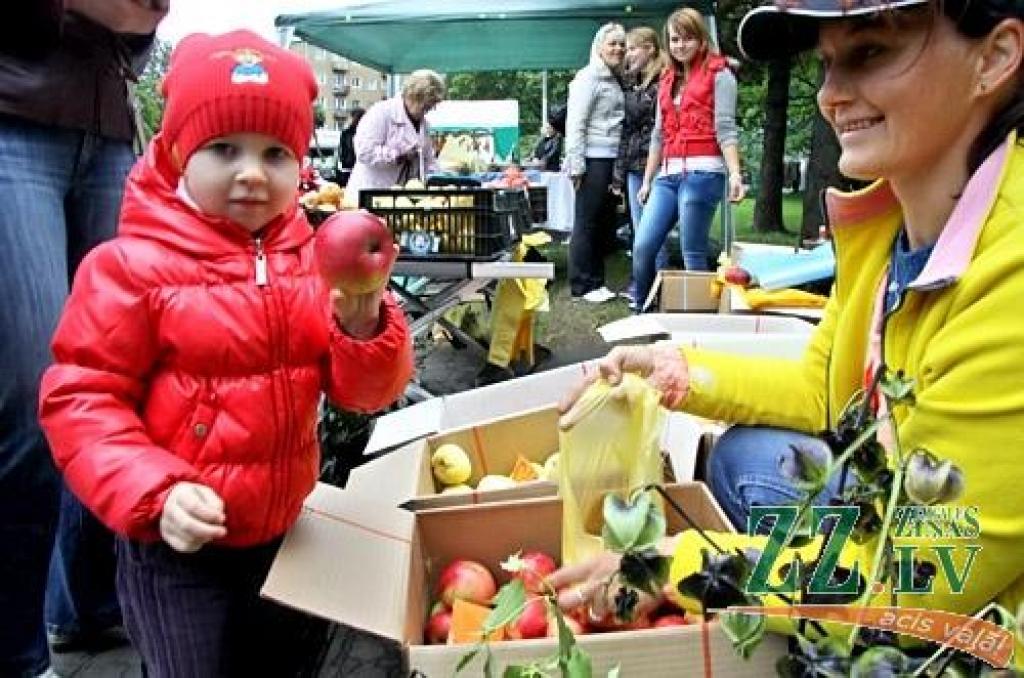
593, 129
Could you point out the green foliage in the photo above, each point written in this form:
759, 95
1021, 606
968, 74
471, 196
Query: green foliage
150, 101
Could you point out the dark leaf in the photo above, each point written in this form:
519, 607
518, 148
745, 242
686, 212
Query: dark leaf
881, 662
467, 658
720, 581
625, 603
647, 571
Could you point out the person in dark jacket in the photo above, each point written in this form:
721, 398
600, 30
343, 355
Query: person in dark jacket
66, 142
346, 145
644, 63
549, 149
190, 360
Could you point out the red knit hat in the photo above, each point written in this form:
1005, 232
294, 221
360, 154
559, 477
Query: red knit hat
236, 82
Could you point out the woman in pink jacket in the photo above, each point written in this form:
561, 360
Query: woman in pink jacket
392, 142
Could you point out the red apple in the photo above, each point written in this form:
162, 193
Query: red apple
438, 625
670, 620
467, 580
537, 566
737, 276
354, 252
532, 623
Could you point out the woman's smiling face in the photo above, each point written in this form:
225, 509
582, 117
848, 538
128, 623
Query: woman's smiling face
897, 91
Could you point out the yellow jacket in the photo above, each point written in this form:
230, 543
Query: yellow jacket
959, 333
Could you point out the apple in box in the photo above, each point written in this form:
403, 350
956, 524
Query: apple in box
468, 580
438, 625
536, 566
355, 252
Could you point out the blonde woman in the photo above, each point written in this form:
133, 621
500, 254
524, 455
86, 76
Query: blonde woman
643, 66
392, 142
694, 152
593, 128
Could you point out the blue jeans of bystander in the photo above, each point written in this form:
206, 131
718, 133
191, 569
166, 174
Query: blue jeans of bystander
60, 192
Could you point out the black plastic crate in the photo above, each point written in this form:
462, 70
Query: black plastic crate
538, 204
447, 224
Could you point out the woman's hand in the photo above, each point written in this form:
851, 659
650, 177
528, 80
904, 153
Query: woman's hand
737, 189
192, 515
593, 585
664, 367
643, 192
359, 314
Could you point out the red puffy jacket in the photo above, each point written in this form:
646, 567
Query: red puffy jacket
172, 364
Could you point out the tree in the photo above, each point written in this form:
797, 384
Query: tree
150, 100
768, 209
822, 172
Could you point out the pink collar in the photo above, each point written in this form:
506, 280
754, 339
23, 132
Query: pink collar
955, 247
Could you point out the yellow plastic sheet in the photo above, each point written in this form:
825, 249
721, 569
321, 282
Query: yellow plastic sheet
609, 442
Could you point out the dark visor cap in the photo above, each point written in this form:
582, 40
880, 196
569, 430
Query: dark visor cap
789, 27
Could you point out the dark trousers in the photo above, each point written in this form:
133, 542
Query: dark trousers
593, 228
200, 614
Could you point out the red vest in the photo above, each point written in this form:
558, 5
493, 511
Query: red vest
689, 129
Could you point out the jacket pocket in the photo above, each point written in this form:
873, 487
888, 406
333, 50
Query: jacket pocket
197, 428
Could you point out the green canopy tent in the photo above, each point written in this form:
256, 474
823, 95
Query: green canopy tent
450, 36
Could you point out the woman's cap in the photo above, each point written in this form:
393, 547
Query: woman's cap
236, 82
788, 27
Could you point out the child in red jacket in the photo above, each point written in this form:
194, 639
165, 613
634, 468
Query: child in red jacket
191, 356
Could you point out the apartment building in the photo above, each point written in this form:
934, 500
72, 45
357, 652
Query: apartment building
344, 84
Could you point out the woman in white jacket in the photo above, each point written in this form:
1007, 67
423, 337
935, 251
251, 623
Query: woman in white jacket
593, 127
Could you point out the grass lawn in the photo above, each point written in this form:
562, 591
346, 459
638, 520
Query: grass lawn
571, 324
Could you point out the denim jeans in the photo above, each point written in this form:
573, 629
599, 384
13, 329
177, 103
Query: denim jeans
691, 199
60, 192
743, 471
636, 209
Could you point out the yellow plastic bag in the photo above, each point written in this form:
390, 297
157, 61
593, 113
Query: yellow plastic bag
609, 442
516, 302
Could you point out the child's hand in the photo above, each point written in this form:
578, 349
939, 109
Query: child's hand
193, 515
359, 314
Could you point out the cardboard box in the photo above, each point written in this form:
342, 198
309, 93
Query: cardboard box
493, 447
767, 335
448, 412
373, 567
683, 291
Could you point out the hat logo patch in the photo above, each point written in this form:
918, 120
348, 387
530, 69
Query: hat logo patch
248, 68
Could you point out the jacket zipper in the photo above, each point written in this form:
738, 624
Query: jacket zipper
261, 264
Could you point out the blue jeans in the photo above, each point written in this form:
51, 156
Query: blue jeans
60, 192
691, 199
743, 471
636, 210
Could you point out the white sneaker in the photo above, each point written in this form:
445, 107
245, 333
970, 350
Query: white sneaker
599, 296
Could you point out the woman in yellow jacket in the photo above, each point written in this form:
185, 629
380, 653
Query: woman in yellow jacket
927, 98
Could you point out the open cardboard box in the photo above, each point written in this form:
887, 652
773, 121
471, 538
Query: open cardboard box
373, 566
493, 447
767, 335
459, 410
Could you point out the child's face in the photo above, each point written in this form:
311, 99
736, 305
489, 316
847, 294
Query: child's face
247, 177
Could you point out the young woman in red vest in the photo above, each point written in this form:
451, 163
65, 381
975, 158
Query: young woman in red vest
693, 153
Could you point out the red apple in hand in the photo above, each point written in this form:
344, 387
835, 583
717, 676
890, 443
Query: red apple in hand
354, 252
467, 580
532, 623
438, 625
536, 566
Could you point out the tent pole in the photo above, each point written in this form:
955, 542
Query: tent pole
543, 97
